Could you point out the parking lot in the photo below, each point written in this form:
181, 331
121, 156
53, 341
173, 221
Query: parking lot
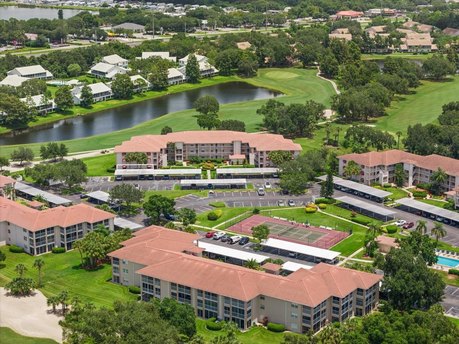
104, 184
192, 202
450, 302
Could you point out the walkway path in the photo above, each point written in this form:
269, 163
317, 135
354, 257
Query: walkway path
335, 87
29, 316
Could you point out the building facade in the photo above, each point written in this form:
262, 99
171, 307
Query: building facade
31, 72
379, 167
167, 264
39, 231
162, 150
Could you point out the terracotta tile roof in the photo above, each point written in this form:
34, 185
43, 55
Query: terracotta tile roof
271, 266
243, 45
307, 287
153, 143
349, 14
33, 220
385, 240
5, 180
394, 156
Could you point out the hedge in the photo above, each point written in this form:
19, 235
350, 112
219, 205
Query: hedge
134, 289
453, 272
419, 194
310, 210
322, 206
16, 249
212, 325
58, 250
325, 200
214, 215
387, 185
361, 220
391, 229
273, 327
217, 204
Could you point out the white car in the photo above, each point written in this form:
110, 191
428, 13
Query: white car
267, 185
218, 235
261, 192
400, 223
234, 239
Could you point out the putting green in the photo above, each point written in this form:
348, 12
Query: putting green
281, 75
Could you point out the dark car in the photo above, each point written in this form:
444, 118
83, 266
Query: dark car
408, 225
244, 241
225, 238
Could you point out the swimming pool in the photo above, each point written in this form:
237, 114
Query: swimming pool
447, 261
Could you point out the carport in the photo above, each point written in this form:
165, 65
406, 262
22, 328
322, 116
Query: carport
29, 192
99, 197
293, 266
158, 174
121, 223
229, 255
430, 211
298, 251
366, 208
256, 172
213, 184
357, 189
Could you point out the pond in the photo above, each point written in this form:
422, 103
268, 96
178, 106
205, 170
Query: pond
127, 116
24, 13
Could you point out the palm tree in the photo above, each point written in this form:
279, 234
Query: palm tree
53, 301
63, 298
375, 229
20, 269
438, 178
327, 131
398, 133
338, 130
9, 191
252, 264
352, 169
78, 245
38, 264
421, 227
438, 231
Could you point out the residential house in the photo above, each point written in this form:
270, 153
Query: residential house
374, 31
219, 144
137, 80
31, 72
40, 231
205, 68
162, 54
184, 61
115, 60
106, 70
40, 103
348, 14
167, 264
100, 92
13, 80
412, 25
243, 45
379, 167
174, 76
451, 31
415, 42
342, 33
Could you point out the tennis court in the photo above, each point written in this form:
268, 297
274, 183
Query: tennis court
292, 231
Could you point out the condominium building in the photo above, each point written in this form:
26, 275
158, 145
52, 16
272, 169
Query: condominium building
115, 60
161, 54
167, 264
379, 167
39, 231
99, 90
31, 72
233, 146
106, 70
40, 103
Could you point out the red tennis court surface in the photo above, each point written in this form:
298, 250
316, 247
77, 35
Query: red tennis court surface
291, 231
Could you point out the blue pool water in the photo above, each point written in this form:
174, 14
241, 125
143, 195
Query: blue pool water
448, 261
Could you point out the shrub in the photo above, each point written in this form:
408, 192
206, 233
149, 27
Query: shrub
217, 204
310, 210
134, 289
111, 169
256, 211
208, 166
387, 185
322, 206
212, 216
353, 214
212, 325
453, 272
361, 220
16, 249
325, 200
391, 229
273, 327
425, 186
419, 194
58, 250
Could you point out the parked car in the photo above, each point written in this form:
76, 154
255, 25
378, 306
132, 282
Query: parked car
244, 241
218, 235
291, 203
267, 185
118, 178
137, 186
281, 203
234, 239
408, 225
226, 238
261, 192
400, 223
150, 177
210, 234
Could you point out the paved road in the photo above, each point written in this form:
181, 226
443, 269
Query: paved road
450, 302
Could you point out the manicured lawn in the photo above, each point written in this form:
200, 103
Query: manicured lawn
434, 202
97, 166
176, 193
227, 214
449, 279
256, 335
319, 136
444, 246
62, 272
396, 192
298, 85
402, 55
454, 321
8, 336
424, 106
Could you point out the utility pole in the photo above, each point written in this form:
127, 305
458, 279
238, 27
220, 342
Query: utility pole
266, 17
153, 25
185, 27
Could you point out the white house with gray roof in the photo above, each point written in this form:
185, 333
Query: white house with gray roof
42, 104
100, 92
31, 72
174, 76
162, 54
115, 60
13, 80
106, 70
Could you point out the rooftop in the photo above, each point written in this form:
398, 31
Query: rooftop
447, 214
113, 59
5, 180
27, 70
369, 190
368, 206
49, 197
299, 248
13, 80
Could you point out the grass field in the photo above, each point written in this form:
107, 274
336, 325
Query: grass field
227, 214
62, 272
454, 321
97, 166
402, 55
8, 336
175, 193
434, 202
298, 85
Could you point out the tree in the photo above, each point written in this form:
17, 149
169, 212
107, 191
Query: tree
247, 66
22, 155
4, 162
166, 130
438, 179
63, 98
438, 231
20, 286
438, 67
299, 172
15, 113
399, 175
206, 105
87, 98
126, 193
279, 157
260, 232
38, 264
208, 121
421, 227
227, 60
93, 248
158, 205
60, 14
252, 264
192, 69
71, 172
20, 269
329, 66
327, 187
232, 124
73, 69
398, 133
187, 216
136, 157
122, 86
53, 301
352, 169
179, 315
159, 77
63, 298
53, 150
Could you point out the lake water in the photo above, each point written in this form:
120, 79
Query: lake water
129, 115
24, 13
